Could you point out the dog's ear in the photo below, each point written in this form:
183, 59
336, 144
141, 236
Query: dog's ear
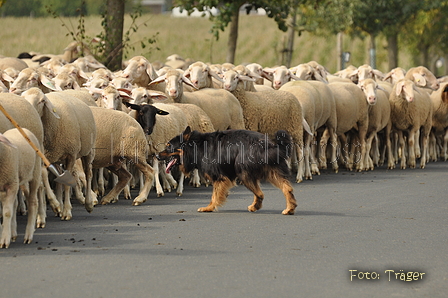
186, 134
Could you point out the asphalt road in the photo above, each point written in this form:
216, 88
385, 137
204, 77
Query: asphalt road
383, 224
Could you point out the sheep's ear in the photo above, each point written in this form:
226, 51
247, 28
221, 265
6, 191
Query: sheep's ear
318, 77
124, 96
158, 80
188, 82
378, 74
151, 71
162, 112
246, 78
445, 94
132, 106
6, 77
268, 73
47, 82
76, 86
51, 108
83, 75
380, 88
399, 87
216, 75
419, 80
5, 141
157, 96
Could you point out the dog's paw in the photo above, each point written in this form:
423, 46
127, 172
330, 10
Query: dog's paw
288, 212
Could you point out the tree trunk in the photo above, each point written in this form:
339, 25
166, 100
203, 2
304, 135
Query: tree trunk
114, 22
372, 51
291, 35
340, 52
233, 36
392, 50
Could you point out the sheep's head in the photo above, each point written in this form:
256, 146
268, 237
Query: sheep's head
232, 79
64, 81
422, 77
405, 88
39, 101
279, 76
138, 69
146, 116
199, 74
369, 87
26, 79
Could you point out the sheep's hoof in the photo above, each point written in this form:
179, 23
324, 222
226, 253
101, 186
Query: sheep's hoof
179, 194
138, 201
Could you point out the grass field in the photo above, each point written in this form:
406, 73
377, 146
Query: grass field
259, 40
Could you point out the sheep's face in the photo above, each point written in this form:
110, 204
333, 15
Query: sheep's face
139, 95
369, 88
25, 80
110, 99
281, 76
64, 81
136, 69
231, 80
173, 84
199, 75
405, 89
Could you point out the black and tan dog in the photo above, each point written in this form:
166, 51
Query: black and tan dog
225, 156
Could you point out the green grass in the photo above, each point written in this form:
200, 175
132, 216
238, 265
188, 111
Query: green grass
259, 40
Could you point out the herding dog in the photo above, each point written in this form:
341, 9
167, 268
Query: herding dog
225, 156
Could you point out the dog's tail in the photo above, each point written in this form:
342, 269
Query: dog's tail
284, 143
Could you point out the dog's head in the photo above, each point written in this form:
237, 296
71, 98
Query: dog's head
174, 150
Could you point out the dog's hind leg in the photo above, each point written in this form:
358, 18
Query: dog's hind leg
285, 186
220, 192
254, 186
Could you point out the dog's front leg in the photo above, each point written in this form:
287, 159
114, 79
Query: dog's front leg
220, 192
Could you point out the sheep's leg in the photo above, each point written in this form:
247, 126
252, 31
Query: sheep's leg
314, 158
389, 150
425, 136
402, 147
87, 166
21, 206
362, 132
159, 189
411, 148
51, 197
220, 192
307, 148
283, 184
148, 173
180, 185
123, 178
67, 210
368, 163
417, 150
196, 180
299, 155
32, 202
42, 208
127, 188
8, 212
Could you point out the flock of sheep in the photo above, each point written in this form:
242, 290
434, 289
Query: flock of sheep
106, 128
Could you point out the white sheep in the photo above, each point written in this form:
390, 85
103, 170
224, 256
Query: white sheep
120, 138
221, 106
20, 166
27, 117
29, 78
141, 72
439, 101
319, 110
352, 113
62, 116
410, 112
395, 75
279, 75
13, 62
379, 121
422, 77
201, 76
269, 111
